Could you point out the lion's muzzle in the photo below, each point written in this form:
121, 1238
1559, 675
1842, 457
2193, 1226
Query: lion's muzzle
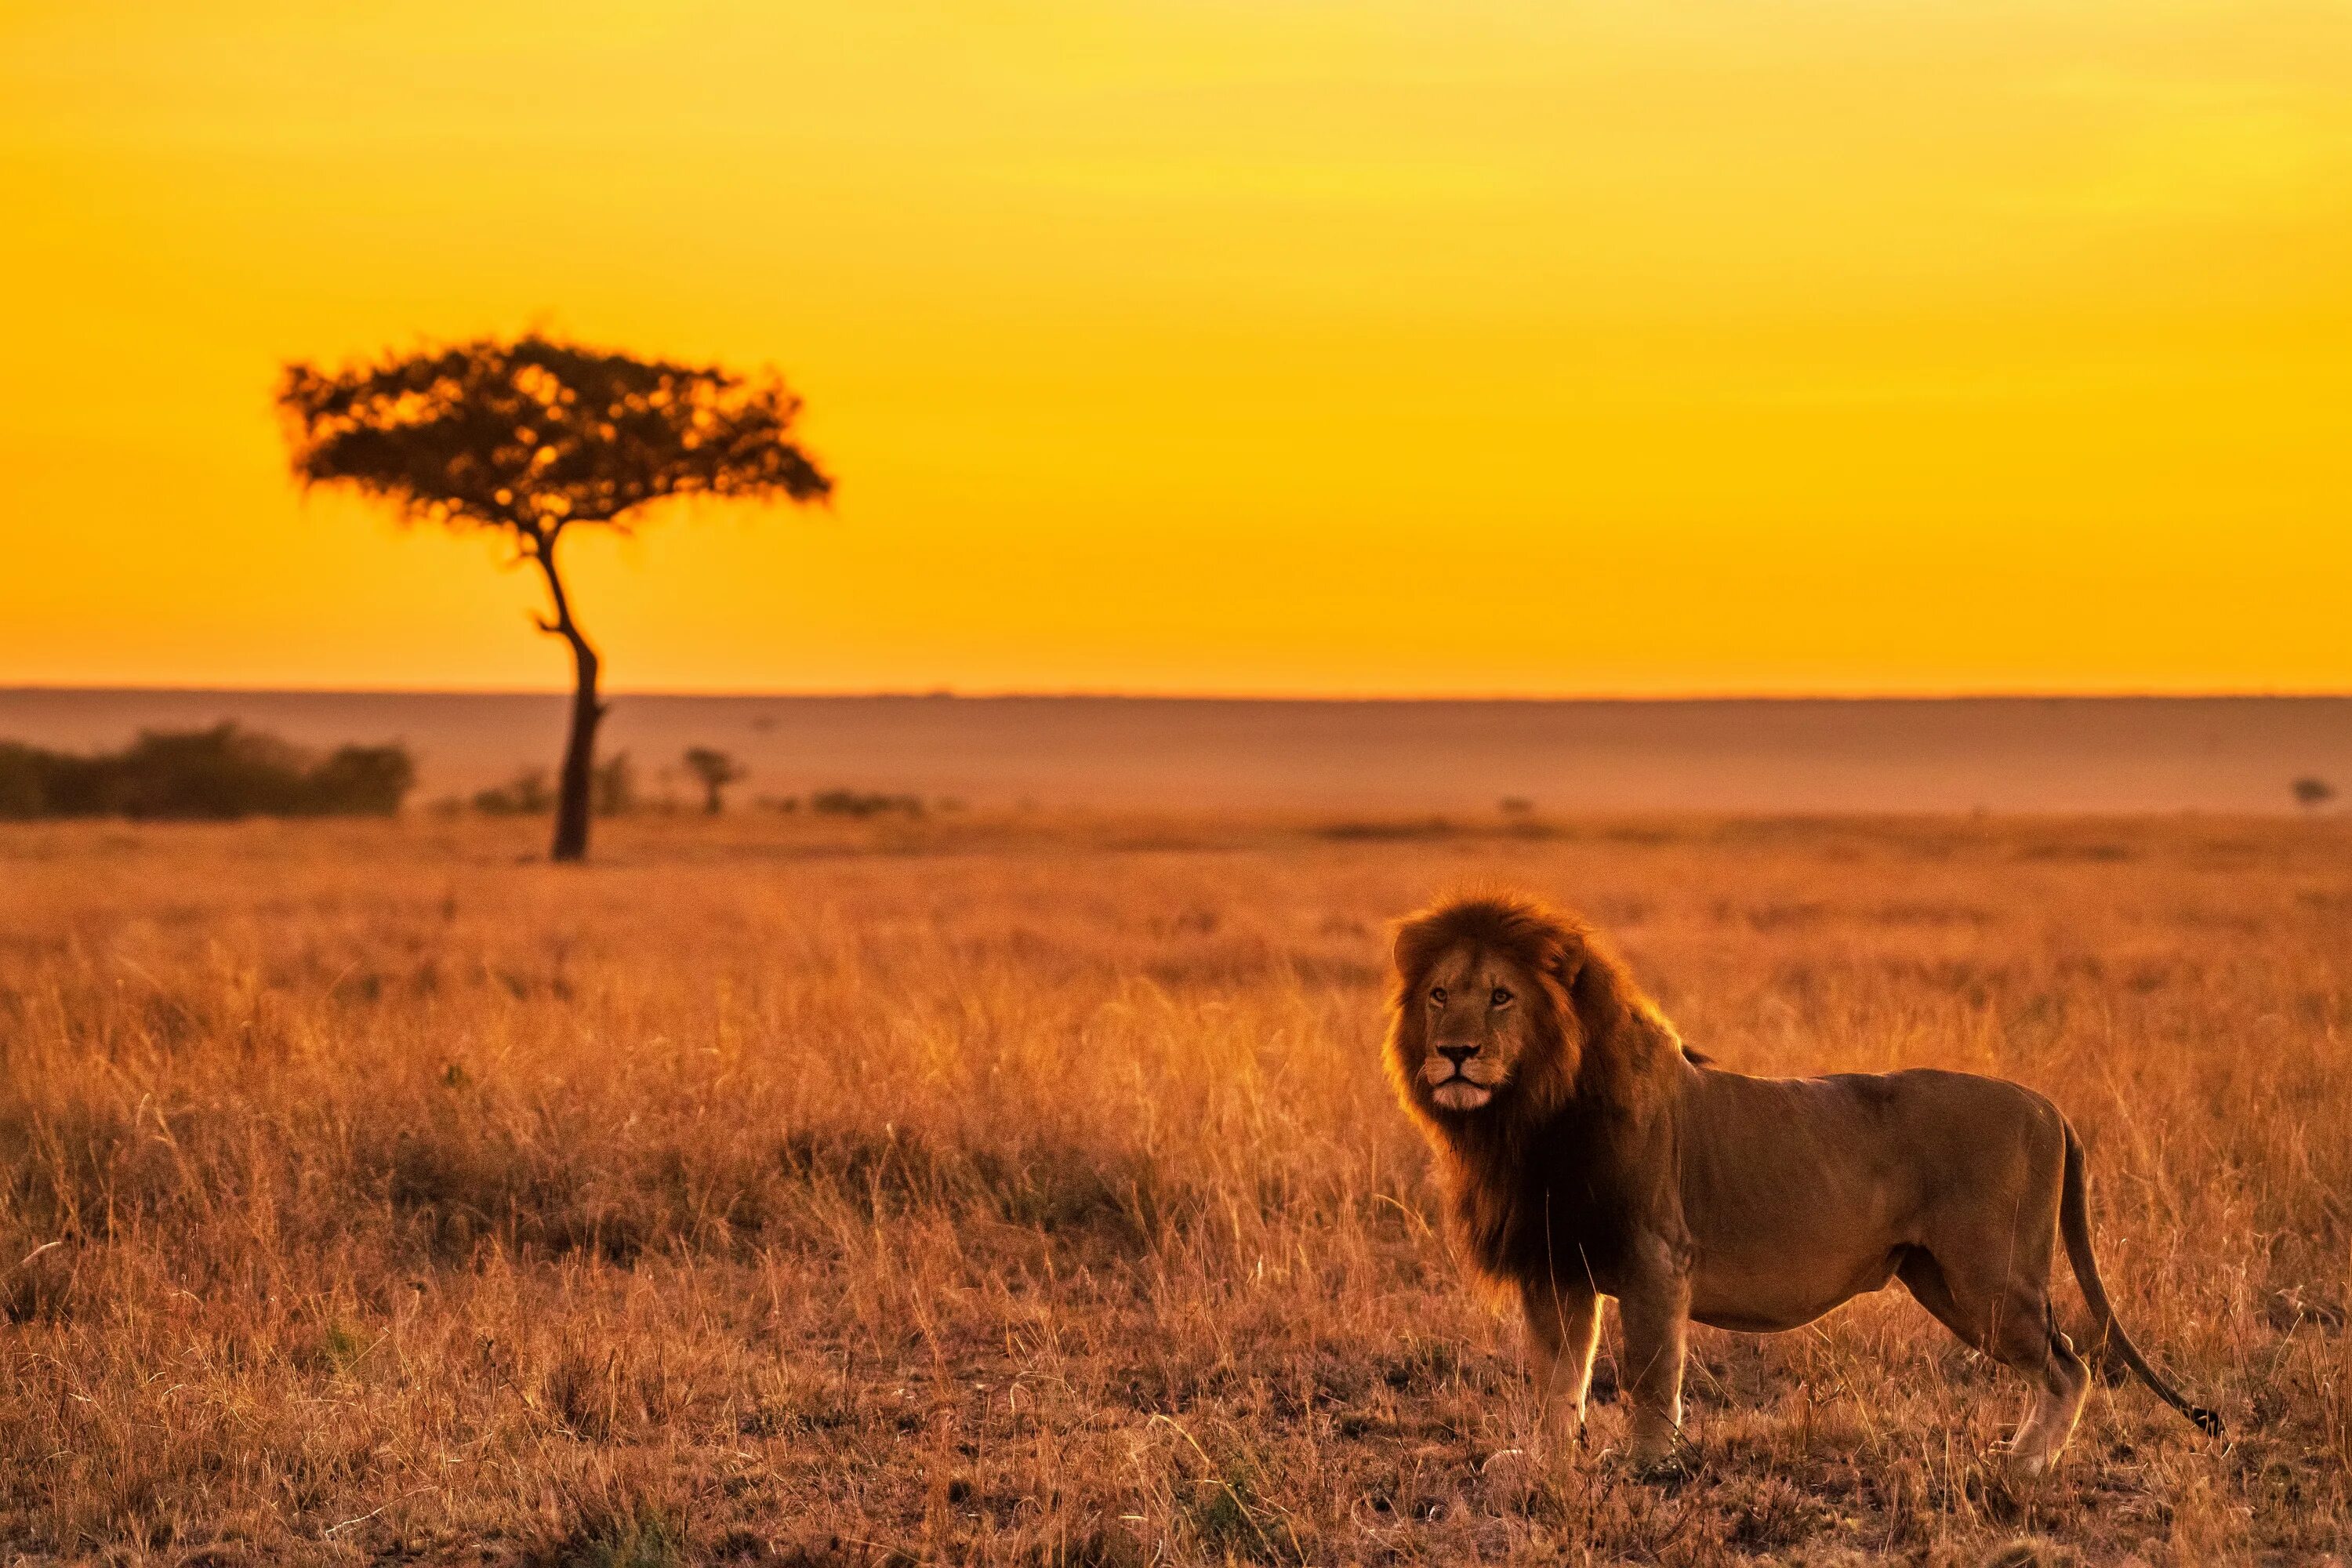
1459, 1077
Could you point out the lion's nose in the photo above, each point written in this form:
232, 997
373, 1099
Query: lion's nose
1457, 1055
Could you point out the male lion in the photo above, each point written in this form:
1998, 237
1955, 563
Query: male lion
1588, 1153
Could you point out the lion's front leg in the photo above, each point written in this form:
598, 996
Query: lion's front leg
1655, 1313
1563, 1329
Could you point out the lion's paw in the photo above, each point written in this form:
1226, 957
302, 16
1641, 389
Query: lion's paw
1667, 1466
2023, 1467
1669, 1472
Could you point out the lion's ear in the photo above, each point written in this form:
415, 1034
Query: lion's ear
1405, 950
1418, 940
1566, 963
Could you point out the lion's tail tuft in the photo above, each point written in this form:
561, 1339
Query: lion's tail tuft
2074, 1220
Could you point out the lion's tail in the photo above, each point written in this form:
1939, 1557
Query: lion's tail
2075, 1219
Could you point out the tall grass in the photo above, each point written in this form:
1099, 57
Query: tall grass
1018, 1191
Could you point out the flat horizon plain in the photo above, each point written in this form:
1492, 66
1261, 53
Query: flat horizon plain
2009, 754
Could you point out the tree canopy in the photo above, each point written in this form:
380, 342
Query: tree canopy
532, 435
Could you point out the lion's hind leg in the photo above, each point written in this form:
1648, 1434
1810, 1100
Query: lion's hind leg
2030, 1345
2009, 1319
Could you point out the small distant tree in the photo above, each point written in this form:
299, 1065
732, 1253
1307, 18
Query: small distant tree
532, 437
2311, 793
714, 770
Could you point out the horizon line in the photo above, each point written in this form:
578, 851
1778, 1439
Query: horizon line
1081, 695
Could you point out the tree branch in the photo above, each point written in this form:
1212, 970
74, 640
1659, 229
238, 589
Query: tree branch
543, 550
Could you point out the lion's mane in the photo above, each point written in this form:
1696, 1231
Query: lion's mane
1542, 1174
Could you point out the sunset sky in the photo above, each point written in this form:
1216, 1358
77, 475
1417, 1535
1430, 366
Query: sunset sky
1314, 346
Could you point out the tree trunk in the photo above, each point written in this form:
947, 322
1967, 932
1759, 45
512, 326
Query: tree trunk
575, 795
576, 791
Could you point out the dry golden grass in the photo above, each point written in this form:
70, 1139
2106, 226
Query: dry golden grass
1027, 1192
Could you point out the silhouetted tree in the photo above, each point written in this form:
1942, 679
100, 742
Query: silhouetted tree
533, 437
2311, 793
715, 769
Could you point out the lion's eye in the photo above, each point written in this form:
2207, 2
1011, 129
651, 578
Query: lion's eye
1437, 995
1501, 998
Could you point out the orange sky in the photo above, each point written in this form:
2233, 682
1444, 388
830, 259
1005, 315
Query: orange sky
1328, 346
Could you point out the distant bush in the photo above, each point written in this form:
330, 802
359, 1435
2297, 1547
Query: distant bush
36, 782
524, 795
364, 781
612, 786
852, 803
612, 790
216, 775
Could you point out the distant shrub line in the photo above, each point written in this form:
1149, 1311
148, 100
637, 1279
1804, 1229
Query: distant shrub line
615, 794
226, 772
856, 803
216, 775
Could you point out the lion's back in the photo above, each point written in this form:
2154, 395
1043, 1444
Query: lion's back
1873, 1142
1926, 1101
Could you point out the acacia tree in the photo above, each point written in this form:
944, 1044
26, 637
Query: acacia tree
714, 770
532, 438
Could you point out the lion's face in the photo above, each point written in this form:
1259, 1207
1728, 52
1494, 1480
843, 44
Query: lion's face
1477, 1009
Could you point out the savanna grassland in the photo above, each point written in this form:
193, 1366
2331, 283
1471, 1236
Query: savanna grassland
1024, 1190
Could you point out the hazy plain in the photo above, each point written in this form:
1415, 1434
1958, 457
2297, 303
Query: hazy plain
2234, 755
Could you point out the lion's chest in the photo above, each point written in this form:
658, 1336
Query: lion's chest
1563, 1230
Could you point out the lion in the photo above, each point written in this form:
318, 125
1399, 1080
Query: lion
1588, 1153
